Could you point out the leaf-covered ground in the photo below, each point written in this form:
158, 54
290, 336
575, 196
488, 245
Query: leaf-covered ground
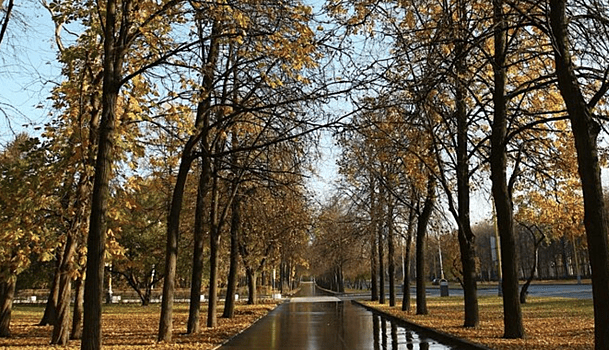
550, 323
134, 327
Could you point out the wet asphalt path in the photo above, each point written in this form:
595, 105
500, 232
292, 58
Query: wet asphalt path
312, 321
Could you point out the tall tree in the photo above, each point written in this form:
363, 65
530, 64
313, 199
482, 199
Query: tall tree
407, 249
235, 230
423, 219
201, 132
72, 137
502, 193
125, 24
199, 240
263, 99
380, 236
467, 239
114, 55
374, 251
391, 253
585, 132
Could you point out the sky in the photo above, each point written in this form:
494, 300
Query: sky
29, 68
323, 182
29, 71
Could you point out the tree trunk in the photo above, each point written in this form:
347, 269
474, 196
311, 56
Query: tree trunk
96, 242
282, 274
229, 305
61, 329
578, 273
585, 132
196, 282
171, 253
374, 295
422, 221
470, 290
391, 256
194, 312
381, 246
173, 225
251, 286
524, 290
536, 244
235, 227
565, 258
147, 295
7, 293
97, 233
214, 252
465, 234
76, 331
406, 289
341, 280
512, 314
50, 311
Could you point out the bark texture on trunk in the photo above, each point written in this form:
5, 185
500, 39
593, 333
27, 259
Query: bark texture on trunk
467, 239
374, 293
7, 293
50, 314
406, 289
231, 289
61, 329
194, 312
214, 250
114, 54
391, 256
585, 132
92, 337
512, 314
381, 251
171, 252
214, 259
374, 267
422, 221
251, 286
202, 122
79, 291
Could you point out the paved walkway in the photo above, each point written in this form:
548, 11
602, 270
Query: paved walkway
326, 322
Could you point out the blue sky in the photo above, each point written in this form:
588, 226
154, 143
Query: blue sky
28, 69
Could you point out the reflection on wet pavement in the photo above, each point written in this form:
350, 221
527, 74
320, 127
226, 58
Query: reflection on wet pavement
311, 325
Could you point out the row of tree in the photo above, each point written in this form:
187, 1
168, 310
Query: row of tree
460, 90
189, 120
444, 94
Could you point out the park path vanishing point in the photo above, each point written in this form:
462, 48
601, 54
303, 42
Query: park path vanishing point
313, 321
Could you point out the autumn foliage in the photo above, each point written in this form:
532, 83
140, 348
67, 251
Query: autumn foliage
550, 323
134, 327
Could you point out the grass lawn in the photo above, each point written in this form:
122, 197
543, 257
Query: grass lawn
550, 323
134, 327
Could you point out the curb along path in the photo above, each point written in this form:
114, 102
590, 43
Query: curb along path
433, 333
319, 321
